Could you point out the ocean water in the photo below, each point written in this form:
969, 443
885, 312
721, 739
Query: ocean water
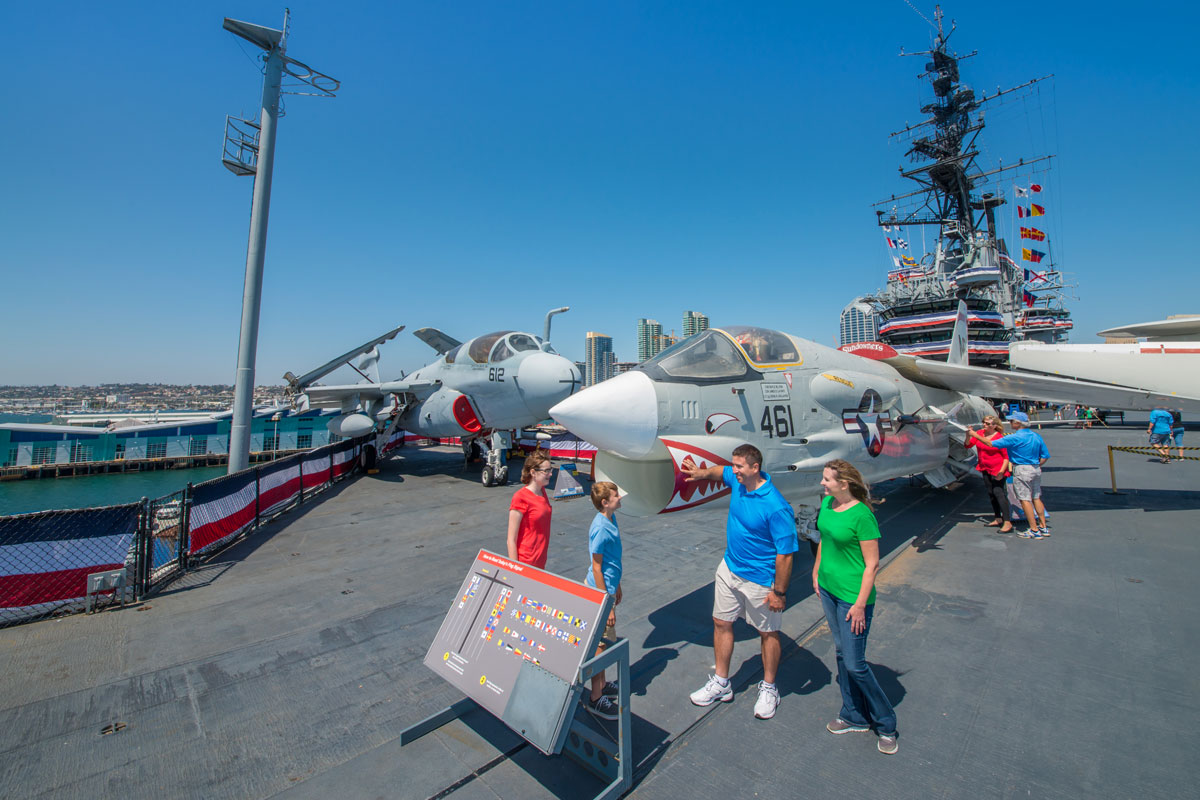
43, 494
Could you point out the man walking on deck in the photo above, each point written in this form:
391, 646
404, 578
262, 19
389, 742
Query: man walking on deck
1160, 433
1026, 452
752, 579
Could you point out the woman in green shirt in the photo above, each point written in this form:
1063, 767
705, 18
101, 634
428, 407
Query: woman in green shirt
844, 579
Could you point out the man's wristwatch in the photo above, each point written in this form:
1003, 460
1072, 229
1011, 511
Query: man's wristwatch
776, 591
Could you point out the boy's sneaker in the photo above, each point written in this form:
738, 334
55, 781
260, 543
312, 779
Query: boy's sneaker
840, 726
611, 689
888, 745
711, 692
768, 701
604, 707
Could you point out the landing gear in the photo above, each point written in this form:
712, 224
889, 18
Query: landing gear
495, 472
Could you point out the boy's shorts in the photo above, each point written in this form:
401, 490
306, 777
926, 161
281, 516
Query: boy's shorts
1160, 438
736, 597
1027, 481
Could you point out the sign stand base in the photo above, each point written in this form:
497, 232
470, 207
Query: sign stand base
595, 751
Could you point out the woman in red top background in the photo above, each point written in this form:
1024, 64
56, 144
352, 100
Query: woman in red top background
994, 466
529, 513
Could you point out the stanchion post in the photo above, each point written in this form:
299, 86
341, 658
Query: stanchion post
1112, 471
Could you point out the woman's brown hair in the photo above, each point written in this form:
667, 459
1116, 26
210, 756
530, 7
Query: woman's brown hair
533, 461
849, 473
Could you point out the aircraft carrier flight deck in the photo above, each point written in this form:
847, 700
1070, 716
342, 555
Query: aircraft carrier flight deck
287, 666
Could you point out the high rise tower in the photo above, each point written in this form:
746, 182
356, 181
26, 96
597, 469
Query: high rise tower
859, 323
693, 323
649, 337
600, 363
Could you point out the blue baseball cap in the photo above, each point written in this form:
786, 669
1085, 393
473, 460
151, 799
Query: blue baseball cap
1019, 416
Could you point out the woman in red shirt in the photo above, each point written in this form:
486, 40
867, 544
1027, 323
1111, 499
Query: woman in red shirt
529, 513
994, 466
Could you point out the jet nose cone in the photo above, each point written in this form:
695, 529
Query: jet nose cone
619, 415
544, 379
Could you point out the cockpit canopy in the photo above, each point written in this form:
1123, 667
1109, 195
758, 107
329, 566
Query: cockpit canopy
712, 356
497, 346
763, 345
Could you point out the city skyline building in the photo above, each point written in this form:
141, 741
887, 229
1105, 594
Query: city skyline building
859, 323
649, 338
600, 362
693, 323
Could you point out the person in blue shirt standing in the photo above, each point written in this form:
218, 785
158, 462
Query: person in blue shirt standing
752, 578
1026, 452
604, 544
1160, 433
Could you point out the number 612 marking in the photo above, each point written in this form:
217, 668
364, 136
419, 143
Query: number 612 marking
777, 421
496, 374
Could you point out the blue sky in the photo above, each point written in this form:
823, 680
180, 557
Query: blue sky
486, 161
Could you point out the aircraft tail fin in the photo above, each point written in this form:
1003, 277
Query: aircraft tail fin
958, 339
437, 340
369, 365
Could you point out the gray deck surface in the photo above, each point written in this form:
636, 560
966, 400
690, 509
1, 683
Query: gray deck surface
289, 665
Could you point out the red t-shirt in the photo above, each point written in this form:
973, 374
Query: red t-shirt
533, 536
990, 458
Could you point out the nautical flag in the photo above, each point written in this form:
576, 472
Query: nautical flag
1032, 255
1036, 211
1035, 277
908, 261
1022, 212
890, 241
887, 228
902, 243
1028, 299
1019, 192
1035, 187
1034, 234
896, 260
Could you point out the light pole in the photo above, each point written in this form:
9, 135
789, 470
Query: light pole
250, 150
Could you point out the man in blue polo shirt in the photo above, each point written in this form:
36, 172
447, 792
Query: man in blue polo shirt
752, 578
1026, 452
1160, 433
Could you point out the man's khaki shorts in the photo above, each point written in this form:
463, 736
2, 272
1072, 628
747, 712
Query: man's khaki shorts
735, 597
1027, 481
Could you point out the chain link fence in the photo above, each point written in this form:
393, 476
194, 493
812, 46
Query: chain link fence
46, 558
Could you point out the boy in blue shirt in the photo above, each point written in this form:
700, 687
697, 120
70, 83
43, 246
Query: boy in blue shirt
604, 544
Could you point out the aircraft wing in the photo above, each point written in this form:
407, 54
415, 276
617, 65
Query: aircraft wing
437, 340
1029, 386
325, 396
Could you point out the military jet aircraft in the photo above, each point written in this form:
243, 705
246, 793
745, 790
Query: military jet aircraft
801, 404
480, 390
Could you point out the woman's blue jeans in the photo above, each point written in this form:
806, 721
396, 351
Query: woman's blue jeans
863, 701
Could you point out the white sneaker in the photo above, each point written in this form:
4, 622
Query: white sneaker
711, 692
768, 701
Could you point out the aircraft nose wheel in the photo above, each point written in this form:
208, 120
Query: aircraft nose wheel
495, 476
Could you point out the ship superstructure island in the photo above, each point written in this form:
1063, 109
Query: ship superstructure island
1009, 295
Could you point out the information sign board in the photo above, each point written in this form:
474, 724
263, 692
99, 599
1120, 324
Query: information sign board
513, 641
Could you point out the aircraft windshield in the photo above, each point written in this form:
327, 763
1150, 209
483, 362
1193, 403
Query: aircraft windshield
453, 354
764, 346
482, 345
501, 351
706, 356
520, 342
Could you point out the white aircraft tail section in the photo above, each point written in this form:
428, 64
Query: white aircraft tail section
958, 340
369, 365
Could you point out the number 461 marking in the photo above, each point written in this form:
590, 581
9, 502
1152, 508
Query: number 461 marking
777, 421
